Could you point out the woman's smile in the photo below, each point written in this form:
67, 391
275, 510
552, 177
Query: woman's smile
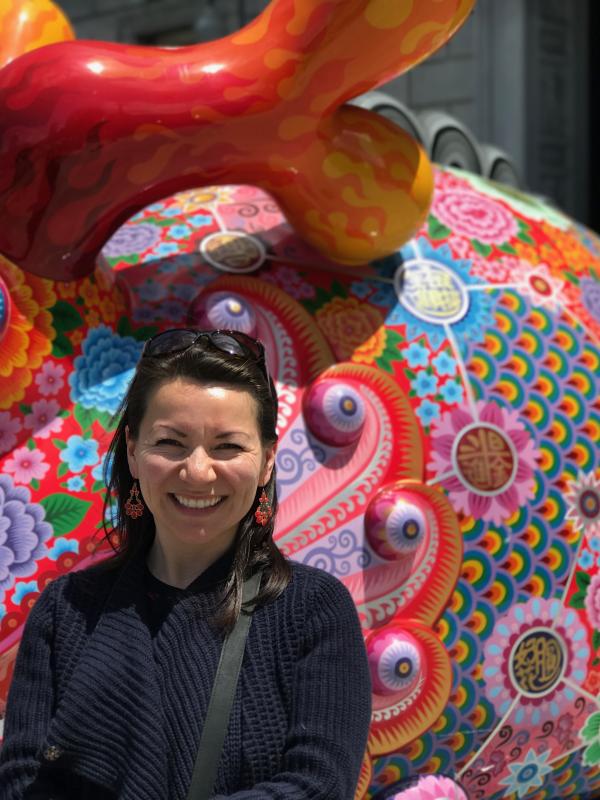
197, 503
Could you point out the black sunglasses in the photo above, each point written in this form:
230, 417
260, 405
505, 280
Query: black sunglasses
234, 343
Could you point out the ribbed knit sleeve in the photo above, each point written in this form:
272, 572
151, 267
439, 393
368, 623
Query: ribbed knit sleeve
331, 705
30, 699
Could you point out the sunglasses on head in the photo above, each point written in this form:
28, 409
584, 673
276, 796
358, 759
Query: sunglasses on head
233, 343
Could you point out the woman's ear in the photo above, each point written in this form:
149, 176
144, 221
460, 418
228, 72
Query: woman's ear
267, 469
131, 459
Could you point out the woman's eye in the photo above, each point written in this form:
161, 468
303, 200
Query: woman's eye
173, 442
229, 446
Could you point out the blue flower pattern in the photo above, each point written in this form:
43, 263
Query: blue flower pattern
444, 364
104, 370
416, 355
101, 468
180, 231
79, 453
427, 412
23, 588
424, 384
452, 392
63, 545
166, 249
199, 220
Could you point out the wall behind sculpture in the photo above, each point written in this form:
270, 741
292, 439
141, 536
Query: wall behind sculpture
517, 75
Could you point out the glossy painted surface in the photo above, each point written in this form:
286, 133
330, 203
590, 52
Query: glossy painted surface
91, 132
26, 25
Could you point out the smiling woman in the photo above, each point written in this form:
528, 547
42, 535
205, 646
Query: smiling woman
199, 459
117, 663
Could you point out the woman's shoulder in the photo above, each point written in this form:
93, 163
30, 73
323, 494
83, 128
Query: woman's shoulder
81, 586
316, 587
310, 577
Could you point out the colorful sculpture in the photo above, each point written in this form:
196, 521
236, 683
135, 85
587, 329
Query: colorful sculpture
439, 424
262, 106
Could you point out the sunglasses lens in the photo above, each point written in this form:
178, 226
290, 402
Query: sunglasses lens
237, 343
228, 344
170, 342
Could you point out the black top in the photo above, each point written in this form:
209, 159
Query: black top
159, 601
114, 674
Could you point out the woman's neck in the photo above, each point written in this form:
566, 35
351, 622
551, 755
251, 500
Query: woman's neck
179, 567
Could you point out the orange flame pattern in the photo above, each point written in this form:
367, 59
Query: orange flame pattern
91, 132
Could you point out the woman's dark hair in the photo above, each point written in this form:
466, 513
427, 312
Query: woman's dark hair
254, 546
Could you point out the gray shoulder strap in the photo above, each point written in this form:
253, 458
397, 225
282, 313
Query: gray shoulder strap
221, 699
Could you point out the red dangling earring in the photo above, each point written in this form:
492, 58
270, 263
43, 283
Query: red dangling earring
264, 512
134, 507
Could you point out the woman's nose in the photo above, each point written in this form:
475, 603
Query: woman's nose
198, 466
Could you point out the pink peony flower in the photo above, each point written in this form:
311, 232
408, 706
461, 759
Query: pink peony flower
50, 378
9, 427
592, 602
43, 418
461, 247
472, 215
507, 269
26, 465
432, 787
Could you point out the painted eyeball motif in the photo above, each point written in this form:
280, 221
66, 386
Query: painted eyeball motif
225, 310
334, 412
4, 308
396, 662
396, 524
405, 526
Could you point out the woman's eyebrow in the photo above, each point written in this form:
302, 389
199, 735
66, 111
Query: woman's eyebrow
171, 428
183, 434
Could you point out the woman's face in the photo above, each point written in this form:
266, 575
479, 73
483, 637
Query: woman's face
199, 460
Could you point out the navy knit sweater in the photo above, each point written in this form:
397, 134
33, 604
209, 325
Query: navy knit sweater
114, 673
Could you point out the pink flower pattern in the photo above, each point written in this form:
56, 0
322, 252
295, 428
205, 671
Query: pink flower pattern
494, 507
548, 616
26, 465
9, 427
508, 269
44, 418
288, 279
472, 215
592, 602
583, 499
432, 787
461, 247
50, 378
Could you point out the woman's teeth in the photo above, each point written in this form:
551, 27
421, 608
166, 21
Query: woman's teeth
189, 502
